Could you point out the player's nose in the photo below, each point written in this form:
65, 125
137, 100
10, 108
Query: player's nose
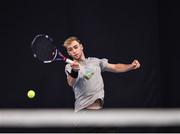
74, 51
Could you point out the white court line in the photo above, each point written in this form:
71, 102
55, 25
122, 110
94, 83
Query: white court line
110, 117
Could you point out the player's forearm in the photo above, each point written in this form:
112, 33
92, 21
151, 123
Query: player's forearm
120, 68
71, 81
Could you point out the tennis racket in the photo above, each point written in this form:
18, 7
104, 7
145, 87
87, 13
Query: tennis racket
43, 49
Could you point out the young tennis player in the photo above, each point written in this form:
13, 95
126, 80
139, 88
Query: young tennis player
84, 75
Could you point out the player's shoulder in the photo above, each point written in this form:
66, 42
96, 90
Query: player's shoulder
96, 59
93, 58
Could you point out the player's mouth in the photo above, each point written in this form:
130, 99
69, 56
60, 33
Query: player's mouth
75, 55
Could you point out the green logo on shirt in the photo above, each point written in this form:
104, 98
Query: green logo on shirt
88, 73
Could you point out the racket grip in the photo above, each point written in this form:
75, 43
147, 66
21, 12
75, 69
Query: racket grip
69, 61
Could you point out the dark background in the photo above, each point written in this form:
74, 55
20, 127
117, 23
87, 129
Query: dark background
147, 30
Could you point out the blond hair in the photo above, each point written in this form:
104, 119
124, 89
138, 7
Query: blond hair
68, 41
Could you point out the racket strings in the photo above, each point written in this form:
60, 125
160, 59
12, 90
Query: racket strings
44, 49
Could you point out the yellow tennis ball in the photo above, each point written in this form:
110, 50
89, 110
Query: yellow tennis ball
31, 94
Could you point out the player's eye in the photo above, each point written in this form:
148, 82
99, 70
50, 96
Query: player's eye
75, 47
70, 49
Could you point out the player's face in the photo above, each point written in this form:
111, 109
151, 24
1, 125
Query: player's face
75, 50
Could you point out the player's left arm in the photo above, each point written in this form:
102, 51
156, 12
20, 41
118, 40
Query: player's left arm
120, 68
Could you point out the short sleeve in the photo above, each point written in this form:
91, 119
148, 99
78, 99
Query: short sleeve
103, 63
68, 69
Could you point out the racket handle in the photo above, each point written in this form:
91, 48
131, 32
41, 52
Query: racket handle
69, 61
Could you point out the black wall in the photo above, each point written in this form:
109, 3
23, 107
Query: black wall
118, 30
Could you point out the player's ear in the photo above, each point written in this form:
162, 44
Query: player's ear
81, 46
68, 53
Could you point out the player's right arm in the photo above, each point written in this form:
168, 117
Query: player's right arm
71, 77
70, 80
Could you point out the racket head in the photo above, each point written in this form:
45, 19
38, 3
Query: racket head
43, 48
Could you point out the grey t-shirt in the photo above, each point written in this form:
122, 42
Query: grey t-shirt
89, 85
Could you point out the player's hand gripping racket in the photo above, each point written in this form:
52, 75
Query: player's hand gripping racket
44, 50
